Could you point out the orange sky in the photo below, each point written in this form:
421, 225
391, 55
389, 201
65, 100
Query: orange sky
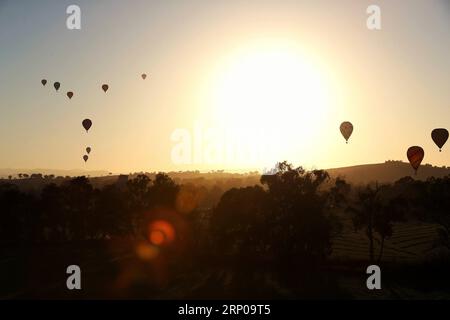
247, 84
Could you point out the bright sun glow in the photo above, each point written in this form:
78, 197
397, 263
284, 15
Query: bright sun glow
272, 93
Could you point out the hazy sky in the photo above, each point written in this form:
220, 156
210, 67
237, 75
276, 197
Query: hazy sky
280, 74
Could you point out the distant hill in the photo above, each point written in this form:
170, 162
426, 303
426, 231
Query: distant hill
389, 171
4, 173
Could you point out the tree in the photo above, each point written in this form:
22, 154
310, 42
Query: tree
138, 189
301, 229
163, 191
433, 199
78, 194
111, 217
17, 214
54, 212
375, 210
287, 221
138, 202
239, 224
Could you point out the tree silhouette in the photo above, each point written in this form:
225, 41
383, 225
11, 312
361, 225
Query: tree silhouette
375, 211
54, 212
285, 222
163, 191
239, 224
17, 213
300, 227
432, 200
78, 194
138, 201
111, 216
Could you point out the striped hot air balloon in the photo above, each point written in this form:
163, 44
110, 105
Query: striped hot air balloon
415, 156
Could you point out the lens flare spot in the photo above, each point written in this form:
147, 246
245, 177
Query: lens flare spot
146, 251
157, 237
161, 233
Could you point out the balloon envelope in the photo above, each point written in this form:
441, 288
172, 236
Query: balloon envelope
440, 137
44, 82
415, 156
85, 158
70, 94
56, 85
87, 123
105, 87
88, 150
346, 129
143, 76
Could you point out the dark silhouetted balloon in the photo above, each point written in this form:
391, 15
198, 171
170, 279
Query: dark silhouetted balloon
44, 82
346, 130
143, 76
85, 158
415, 156
105, 87
70, 94
439, 136
87, 123
88, 150
56, 85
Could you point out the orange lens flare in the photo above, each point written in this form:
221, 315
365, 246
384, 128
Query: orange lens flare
161, 233
157, 237
146, 251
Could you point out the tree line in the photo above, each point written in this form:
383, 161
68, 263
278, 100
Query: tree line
291, 217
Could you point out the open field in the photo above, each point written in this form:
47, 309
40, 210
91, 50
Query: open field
111, 269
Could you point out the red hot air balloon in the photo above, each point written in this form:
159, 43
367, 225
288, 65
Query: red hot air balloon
88, 150
346, 130
439, 136
143, 76
87, 123
105, 87
415, 156
44, 82
70, 94
85, 158
56, 85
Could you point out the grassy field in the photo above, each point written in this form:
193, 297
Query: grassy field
410, 242
111, 269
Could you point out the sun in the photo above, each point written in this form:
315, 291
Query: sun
273, 91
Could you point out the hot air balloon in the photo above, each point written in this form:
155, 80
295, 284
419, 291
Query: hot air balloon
56, 85
70, 94
415, 156
44, 82
346, 130
88, 150
105, 87
439, 136
85, 158
143, 76
87, 123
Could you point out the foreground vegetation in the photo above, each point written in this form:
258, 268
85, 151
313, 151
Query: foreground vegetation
283, 237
